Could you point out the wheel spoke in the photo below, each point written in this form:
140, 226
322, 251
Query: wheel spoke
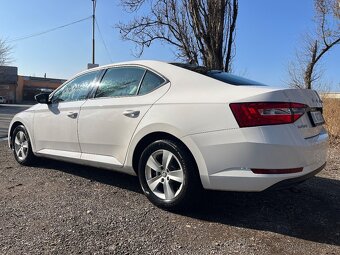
20, 152
168, 192
16, 141
153, 164
25, 144
176, 175
153, 182
167, 156
21, 136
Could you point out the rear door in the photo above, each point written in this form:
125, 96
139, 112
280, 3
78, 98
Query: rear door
108, 120
55, 124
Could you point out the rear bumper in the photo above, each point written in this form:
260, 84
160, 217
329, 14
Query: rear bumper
228, 156
295, 181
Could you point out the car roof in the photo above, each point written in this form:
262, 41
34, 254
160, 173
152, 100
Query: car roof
146, 63
152, 64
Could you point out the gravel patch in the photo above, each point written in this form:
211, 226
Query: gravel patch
61, 208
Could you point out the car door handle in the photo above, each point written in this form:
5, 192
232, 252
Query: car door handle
72, 115
131, 113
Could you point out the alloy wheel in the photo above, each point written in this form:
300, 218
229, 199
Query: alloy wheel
164, 174
21, 145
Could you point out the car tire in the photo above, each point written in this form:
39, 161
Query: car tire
168, 175
21, 145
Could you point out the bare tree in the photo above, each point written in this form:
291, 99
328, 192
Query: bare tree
202, 31
304, 71
5, 51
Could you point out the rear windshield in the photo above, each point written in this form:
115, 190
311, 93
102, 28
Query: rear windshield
232, 79
219, 75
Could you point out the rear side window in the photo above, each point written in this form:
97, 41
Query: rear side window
76, 89
120, 81
150, 82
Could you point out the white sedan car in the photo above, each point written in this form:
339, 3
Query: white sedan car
178, 127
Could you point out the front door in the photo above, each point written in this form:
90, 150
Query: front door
56, 124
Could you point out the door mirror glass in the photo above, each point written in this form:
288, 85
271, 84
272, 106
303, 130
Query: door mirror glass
42, 98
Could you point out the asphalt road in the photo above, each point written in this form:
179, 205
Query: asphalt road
6, 114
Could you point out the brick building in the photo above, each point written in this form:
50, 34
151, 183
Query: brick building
29, 86
8, 82
16, 88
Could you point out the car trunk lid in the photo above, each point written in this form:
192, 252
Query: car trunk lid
310, 124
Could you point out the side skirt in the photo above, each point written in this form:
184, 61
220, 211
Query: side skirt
99, 161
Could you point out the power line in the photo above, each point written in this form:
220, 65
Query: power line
49, 30
103, 41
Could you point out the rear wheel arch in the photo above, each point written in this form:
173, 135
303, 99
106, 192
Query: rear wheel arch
167, 175
152, 137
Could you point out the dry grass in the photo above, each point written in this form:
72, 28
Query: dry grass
331, 112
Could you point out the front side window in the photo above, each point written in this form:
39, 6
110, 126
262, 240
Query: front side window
150, 82
120, 81
75, 90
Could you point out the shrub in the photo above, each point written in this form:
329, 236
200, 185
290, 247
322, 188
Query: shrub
331, 112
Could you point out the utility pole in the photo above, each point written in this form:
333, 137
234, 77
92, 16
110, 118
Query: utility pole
93, 31
93, 64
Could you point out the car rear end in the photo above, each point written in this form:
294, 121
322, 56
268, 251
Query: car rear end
278, 140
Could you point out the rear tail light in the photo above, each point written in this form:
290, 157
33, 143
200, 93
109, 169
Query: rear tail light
266, 113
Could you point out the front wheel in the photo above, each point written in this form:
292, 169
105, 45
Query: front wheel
22, 148
168, 175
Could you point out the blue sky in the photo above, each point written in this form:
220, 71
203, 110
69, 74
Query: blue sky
268, 33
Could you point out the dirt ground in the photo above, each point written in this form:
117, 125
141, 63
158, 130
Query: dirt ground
61, 208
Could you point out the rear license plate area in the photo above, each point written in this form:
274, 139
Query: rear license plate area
317, 118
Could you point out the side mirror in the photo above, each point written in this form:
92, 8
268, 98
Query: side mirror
42, 98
